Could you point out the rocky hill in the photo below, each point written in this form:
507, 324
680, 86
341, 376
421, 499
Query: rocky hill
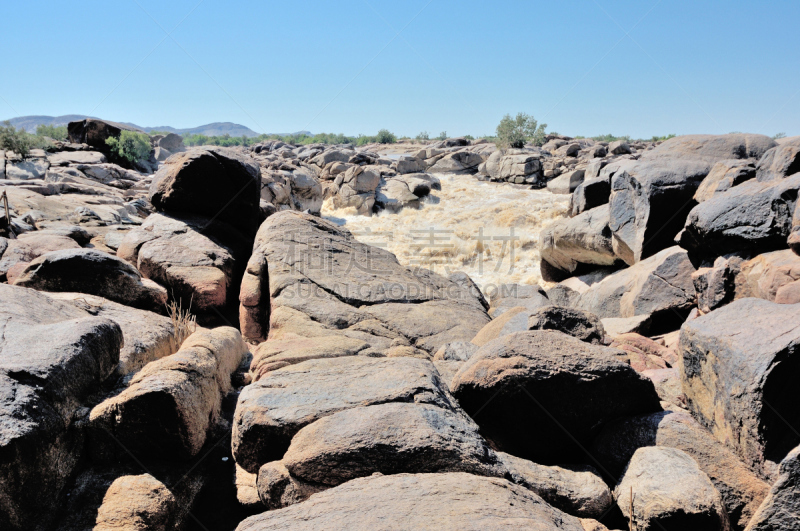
317, 382
30, 123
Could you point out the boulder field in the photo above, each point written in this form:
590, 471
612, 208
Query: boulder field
189, 344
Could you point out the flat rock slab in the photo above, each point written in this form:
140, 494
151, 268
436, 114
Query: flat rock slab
522, 385
271, 411
436, 502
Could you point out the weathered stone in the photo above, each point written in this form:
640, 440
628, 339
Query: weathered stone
740, 362
781, 507
576, 490
660, 286
741, 490
390, 439
650, 198
508, 296
169, 406
511, 382
199, 261
566, 183
589, 194
577, 323
509, 322
458, 162
669, 492
95, 273
442, 502
51, 357
146, 336
216, 183
348, 288
780, 161
271, 410
583, 239
754, 216
724, 175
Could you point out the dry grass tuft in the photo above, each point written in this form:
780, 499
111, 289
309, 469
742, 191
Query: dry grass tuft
183, 323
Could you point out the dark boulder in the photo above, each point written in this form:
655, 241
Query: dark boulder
523, 385
95, 273
754, 216
216, 183
741, 364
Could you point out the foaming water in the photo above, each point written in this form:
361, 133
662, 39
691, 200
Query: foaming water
488, 230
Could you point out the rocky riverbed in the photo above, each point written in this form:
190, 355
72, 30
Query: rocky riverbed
574, 336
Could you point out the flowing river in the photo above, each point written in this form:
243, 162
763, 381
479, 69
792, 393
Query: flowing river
488, 230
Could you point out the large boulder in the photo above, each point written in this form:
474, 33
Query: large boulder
200, 262
147, 336
724, 175
390, 439
781, 508
95, 273
669, 492
273, 409
576, 490
521, 385
169, 406
458, 162
590, 193
581, 240
52, 356
323, 282
741, 490
216, 183
754, 216
651, 197
441, 502
739, 364
95, 132
780, 161
660, 286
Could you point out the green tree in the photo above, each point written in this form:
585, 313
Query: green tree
19, 141
515, 132
423, 136
52, 131
442, 135
130, 146
385, 137
778, 135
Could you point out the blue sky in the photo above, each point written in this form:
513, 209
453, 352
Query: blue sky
642, 68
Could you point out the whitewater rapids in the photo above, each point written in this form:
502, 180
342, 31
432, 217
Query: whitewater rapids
488, 230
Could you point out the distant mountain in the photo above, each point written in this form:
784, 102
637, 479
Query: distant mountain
29, 123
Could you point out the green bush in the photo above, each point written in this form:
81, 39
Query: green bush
661, 138
778, 135
19, 141
130, 146
423, 136
385, 137
52, 131
515, 132
442, 135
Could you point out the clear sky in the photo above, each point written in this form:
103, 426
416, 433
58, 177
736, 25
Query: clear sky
643, 68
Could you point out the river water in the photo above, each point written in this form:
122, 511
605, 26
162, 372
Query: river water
488, 230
